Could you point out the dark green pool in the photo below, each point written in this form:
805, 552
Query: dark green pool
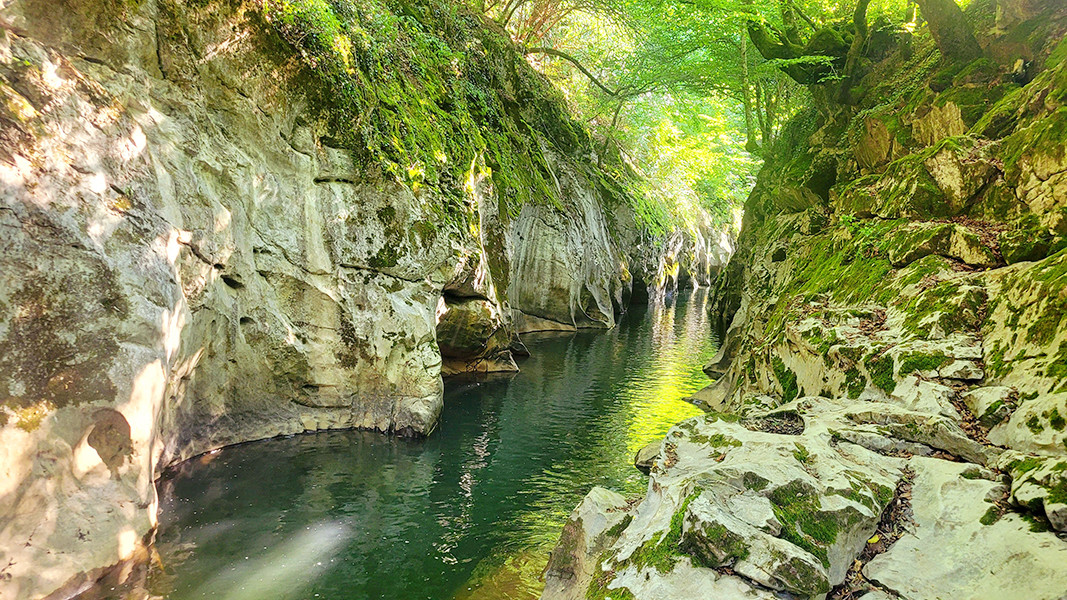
470, 512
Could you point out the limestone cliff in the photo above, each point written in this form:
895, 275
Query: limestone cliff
224, 221
888, 416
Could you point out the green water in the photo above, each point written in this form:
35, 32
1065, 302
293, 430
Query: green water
470, 512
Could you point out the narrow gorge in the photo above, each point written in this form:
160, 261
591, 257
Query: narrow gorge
228, 221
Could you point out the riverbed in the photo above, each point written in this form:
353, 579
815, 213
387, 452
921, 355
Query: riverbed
469, 512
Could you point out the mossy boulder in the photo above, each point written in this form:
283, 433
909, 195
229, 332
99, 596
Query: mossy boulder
1039, 485
944, 239
940, 181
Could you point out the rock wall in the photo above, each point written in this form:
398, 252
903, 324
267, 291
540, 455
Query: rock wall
203, 244
887, 419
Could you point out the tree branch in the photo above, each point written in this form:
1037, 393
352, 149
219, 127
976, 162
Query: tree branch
806, 18
573, 61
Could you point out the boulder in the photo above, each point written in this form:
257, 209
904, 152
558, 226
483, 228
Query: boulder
647, 456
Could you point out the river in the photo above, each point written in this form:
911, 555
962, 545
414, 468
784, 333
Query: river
471, 512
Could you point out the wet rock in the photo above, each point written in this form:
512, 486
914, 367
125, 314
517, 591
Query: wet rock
647, 456
588, 530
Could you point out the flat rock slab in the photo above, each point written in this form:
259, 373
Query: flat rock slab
951, 555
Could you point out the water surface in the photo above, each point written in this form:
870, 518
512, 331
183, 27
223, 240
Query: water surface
470, 512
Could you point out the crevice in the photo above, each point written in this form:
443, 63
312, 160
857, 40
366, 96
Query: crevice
198, 253
783, 423
377, 272
454, 297
895, 521
335, 179
159, 53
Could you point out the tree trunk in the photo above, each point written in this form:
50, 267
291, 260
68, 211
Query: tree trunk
950, 29
859, 25
789, 23
611, 134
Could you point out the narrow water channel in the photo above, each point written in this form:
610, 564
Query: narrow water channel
470, 512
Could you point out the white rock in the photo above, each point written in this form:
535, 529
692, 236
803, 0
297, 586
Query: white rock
960, 557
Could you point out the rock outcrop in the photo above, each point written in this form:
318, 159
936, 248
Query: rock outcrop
898, 287
224, 221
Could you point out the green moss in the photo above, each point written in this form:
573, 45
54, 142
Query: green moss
1025, 465
918, 361
729, 546
1034, 424
1055, 420
974, 101
712, 416
663, 553
991, 516
787, 379
866, 492
992, 415
997, 364
1057, 492
906, 188
880, 368
598, 586
798, 508
854, 383
1047, 323
823, 342
801, 454
717, 440
1045, 136
422, 88
1057, 368
842, 270
1037, 523
617, 530
951, 305
754, 482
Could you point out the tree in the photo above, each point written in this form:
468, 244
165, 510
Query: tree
951, 32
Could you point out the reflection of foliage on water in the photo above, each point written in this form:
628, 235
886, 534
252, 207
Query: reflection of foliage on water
671, 351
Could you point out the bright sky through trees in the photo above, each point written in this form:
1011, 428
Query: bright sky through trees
681, 88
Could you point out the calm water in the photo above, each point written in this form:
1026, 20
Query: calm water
470, 512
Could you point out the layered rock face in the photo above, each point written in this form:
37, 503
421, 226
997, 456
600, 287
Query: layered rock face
213, 234
887, 419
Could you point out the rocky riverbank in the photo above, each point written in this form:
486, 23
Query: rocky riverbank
887, 419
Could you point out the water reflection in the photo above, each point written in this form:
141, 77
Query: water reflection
469, 513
